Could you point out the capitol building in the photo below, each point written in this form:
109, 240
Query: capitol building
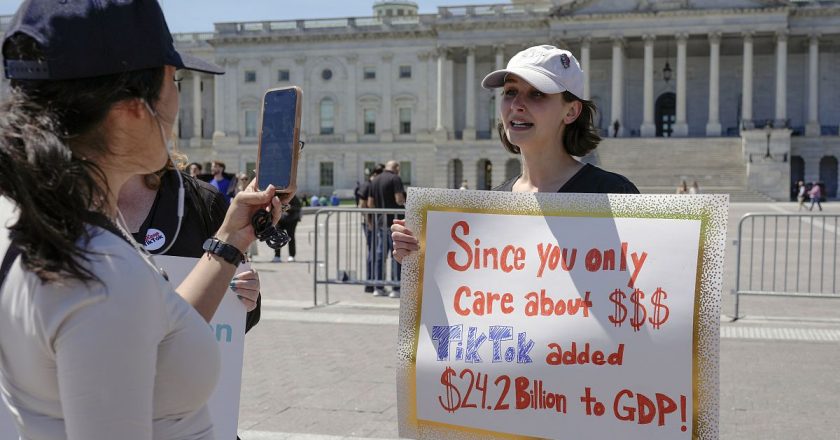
741, 96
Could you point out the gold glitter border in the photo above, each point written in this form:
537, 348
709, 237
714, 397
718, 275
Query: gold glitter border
710, 210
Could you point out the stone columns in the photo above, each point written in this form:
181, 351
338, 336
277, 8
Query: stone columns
350, 133
648, 128
500, 64
747, 87
585, 46
219, 103
195, 141
617, 98
781, 78
440, 128
813, 126
469, 124
303, 80
713, 128
387, 133
681, 124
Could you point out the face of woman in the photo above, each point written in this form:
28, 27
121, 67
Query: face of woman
532, 119
166, 110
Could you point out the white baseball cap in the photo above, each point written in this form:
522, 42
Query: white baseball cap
547, 68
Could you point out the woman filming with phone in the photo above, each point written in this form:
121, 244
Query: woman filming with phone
545, 120
94, 341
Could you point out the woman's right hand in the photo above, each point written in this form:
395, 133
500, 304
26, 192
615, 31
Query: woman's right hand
236, 228
404, 241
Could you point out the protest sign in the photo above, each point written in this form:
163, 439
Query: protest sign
228, 327
561, 315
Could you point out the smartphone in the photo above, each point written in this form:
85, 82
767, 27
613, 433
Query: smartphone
279, 148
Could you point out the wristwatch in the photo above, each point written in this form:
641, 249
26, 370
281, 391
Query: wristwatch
228, 252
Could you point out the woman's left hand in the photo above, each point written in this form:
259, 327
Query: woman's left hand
246, 285
236, 229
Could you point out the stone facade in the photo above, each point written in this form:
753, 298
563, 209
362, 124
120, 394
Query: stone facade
408, 87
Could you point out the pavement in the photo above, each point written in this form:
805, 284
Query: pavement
328, 372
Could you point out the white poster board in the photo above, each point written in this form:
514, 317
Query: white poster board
561, 316
228, 327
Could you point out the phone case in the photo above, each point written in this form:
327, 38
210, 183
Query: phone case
292, 187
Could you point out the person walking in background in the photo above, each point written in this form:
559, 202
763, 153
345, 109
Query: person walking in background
386, 192
694, 189
464, 185
315, 201
801, 194
221, 180
682, 188
194, 169
368, 223
816, 195
289, 222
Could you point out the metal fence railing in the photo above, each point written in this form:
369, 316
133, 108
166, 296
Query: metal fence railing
352, 247
793, 255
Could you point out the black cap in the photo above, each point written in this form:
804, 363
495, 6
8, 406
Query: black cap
89, 38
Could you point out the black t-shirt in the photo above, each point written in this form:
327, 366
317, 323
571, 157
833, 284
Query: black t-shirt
204, 212
589, 179
363, 191
384, 189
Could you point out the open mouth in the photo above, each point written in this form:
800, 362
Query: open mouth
521, 124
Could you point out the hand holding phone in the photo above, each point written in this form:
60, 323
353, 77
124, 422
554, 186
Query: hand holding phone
277, 157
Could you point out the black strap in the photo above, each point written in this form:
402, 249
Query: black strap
11, 255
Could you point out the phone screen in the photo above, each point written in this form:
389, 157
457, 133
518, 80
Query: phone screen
277, 139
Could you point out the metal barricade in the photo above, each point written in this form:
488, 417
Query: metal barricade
790, 255
352, 247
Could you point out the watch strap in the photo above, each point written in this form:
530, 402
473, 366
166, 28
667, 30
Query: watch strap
226, 251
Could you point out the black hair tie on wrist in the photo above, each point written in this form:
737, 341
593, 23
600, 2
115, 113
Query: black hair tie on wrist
268, 233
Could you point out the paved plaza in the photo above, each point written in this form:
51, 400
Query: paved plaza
329, 371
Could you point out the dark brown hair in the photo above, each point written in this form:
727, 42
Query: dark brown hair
50, 135
579, 138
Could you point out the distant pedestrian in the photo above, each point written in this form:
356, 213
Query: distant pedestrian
322, 201
222, 181
464, 185
816, 194
682, 188
616, 127
334, 200
801, 194
289, 222
694, 189
386, 191
368, 222
315, 201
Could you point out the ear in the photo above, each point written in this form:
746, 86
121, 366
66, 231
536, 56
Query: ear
573, 113
133, 108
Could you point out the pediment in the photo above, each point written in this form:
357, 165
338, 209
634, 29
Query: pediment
586, 7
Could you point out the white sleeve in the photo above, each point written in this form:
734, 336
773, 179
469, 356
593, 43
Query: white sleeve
106, 357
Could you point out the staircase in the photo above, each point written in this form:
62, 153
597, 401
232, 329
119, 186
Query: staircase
659, 165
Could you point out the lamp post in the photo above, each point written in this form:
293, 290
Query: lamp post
768, 130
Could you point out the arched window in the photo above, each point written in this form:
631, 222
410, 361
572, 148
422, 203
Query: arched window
327, 116
485, 174
828, 175
797, 173
455, 173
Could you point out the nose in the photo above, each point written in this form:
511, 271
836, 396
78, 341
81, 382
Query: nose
517, 104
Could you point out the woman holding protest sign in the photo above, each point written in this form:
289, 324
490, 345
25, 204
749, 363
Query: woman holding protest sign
94, 341
545, 120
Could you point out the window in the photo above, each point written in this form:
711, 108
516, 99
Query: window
405, 121
250, 123
327, 116
369, 72
283, 75
326, 74
326, 174
370, 121
250, 76
405, 71
405, 173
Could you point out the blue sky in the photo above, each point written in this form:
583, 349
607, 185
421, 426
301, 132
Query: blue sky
199, 15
